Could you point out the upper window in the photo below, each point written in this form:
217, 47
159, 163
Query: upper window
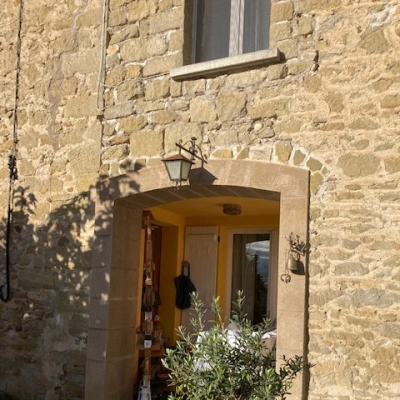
227, 28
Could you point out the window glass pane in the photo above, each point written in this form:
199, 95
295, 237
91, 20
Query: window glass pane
250, 273
212, 29
256, 25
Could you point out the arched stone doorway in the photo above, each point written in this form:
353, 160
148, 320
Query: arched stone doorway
119, 203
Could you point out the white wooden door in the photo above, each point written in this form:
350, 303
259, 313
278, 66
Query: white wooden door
201, 251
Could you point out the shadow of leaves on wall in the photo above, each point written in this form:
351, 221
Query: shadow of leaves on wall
45, 323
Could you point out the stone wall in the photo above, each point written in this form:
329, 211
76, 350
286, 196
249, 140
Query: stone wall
331, 106
44, 325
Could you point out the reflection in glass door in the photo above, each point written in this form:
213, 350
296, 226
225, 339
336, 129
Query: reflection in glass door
251, 274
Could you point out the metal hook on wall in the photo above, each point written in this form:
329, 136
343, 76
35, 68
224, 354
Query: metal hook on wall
286, 276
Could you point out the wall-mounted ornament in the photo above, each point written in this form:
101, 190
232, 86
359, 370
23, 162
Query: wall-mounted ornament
293, 263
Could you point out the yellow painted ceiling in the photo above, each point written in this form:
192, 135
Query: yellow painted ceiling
213, 207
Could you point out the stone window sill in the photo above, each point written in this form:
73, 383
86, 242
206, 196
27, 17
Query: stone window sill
228, 64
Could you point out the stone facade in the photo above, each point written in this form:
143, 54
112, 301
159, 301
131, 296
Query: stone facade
87, 95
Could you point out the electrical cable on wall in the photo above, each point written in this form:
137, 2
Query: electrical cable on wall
102, 68
5, 288
12, 164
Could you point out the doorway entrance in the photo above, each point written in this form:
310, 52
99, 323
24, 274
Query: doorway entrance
115, 280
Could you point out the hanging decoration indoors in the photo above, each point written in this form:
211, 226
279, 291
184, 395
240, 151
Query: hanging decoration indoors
149, 333
293, 264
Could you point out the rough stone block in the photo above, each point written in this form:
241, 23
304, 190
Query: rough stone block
131, 51
117, 18
374, 42
281, 31
306, 25
224, 138
391, 101
222, 154
85, 106
115, 75
116, 152
120, 110
277, 72
358, 166
164, 117
283, 151
289, 48
181, 131
129, 32
168, 20
282, 11
83, 62
162, 65
146, 142
308, 6
141, 9
132, 123
202, 110
157, 89
89, 17
230, 105
85, 158
392, 164
129, 90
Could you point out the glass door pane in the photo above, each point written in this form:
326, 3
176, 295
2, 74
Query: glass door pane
250, 273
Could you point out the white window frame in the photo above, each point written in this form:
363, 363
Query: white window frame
236, 24
236, 59
237, 21
273, 271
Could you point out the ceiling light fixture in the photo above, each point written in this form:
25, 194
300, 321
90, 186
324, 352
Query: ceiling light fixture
232, 209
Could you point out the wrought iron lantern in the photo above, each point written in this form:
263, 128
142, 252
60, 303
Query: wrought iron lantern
178, 166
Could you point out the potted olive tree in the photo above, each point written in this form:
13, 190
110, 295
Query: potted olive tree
218, 364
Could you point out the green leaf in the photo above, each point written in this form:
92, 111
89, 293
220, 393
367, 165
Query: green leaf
205, 365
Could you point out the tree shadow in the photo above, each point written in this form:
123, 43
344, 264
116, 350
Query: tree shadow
45, 323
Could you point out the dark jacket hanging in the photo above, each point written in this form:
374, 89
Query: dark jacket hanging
184, 287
